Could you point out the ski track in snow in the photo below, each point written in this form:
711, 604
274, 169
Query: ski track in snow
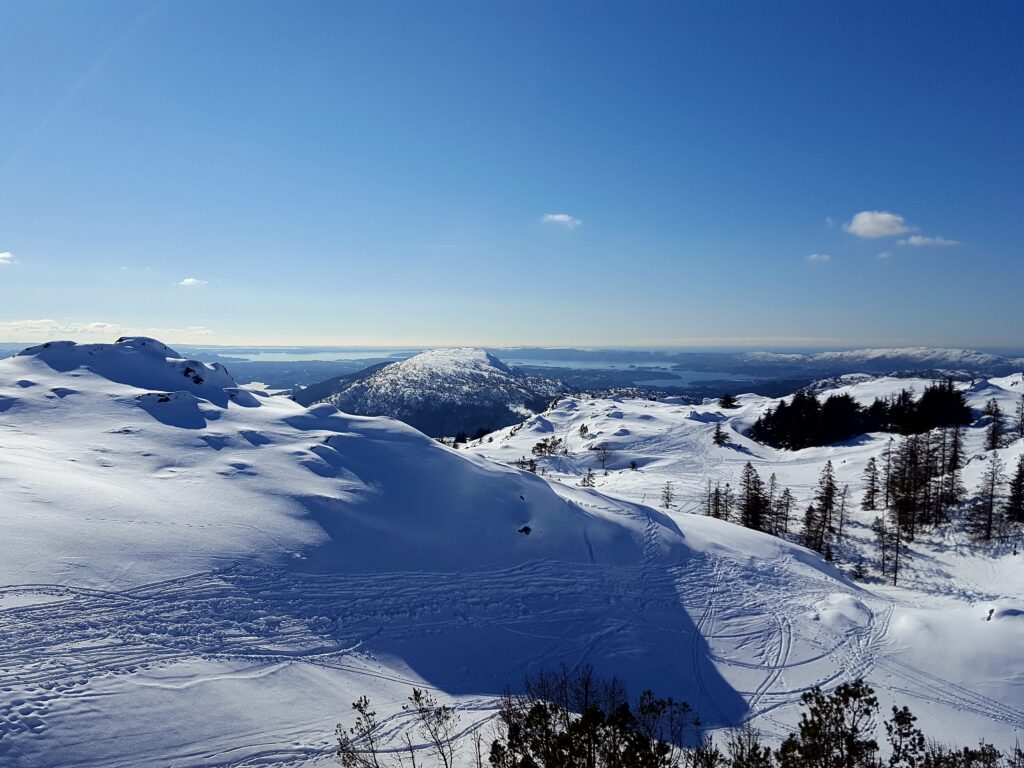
52, 650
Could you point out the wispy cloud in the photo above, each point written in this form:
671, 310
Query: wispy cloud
883, 255
192, 330
562, 219
874, 224
47, 329
192, 282
921, 241
819, 258
6, 257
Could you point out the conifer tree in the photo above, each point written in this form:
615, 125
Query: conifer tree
811, 532
989, 492
897, 545
995, 429
859, 571
844, 496
909, 479
887, 475
882, 539
728, 401
953, 491
955, 454
1019, 417
869, 502
771, 523
719, 438
727, 502
835, 731
717, 504
667, 497
825, 500
1014, 507
783, 512
906, 741
752, 500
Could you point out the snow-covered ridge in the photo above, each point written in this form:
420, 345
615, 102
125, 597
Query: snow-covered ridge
137, 361
930, 356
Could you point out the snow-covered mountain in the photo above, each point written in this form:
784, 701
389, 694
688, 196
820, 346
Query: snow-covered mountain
890, 360
440, 392
195, 573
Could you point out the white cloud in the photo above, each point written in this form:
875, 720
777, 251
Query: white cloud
883, 255
161, 333
819, 257
6, 257
830, 222
872, 224
921, 240
562, 219
191, 282
28, 329
48, 330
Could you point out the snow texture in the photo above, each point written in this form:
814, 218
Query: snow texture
200, 574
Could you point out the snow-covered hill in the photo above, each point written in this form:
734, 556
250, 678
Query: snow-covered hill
199, 574
441, 392
888, 360
934, 651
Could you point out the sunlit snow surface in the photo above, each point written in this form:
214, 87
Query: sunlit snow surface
194, 573
927, 644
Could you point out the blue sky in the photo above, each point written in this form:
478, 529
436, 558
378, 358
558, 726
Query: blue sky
380, 173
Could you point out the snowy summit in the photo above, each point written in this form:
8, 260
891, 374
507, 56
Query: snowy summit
443, 392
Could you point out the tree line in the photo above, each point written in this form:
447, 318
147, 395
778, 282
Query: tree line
575, 719
806, 421
915, 486
755, 504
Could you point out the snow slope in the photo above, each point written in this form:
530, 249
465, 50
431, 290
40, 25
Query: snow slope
926, 643
445, 391
199, 574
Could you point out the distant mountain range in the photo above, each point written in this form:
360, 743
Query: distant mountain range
444, 392
889, 360
784, 364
